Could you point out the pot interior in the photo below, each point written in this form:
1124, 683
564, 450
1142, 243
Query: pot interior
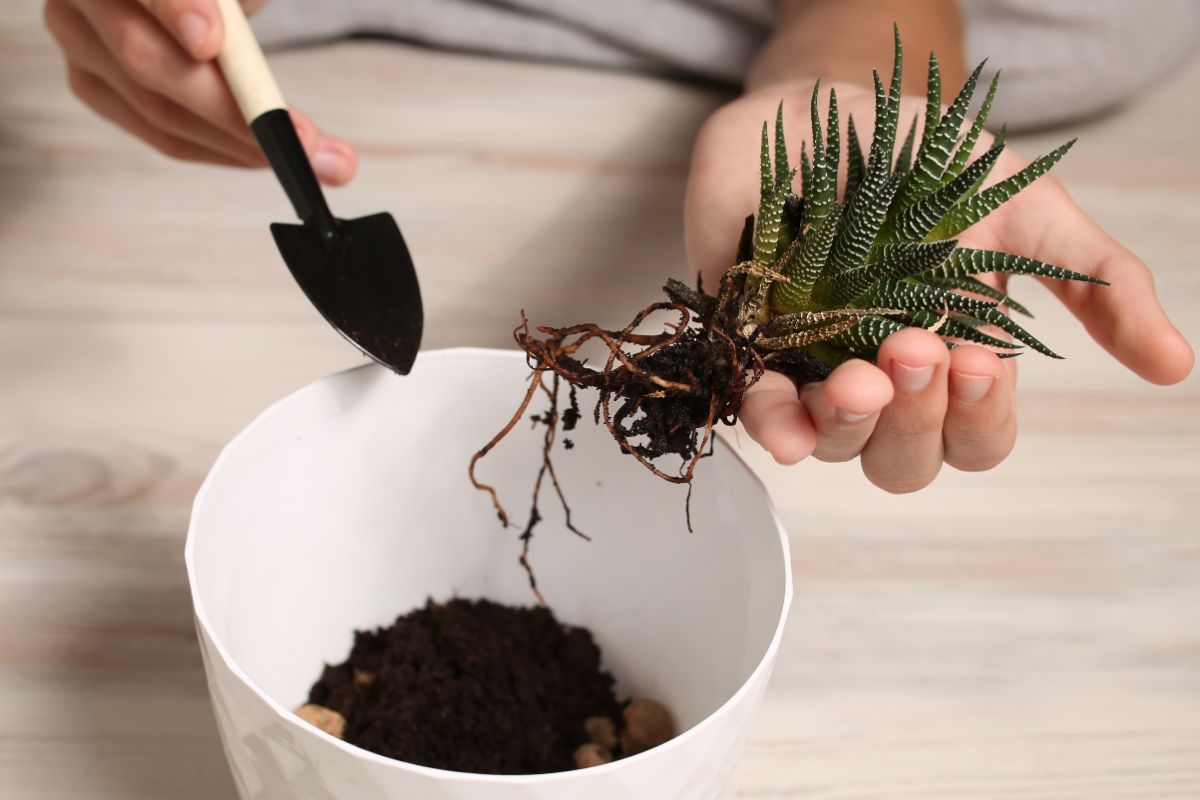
348, 504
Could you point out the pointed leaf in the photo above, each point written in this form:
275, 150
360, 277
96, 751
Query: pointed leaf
904, 160
898, 261
978, 287
818, 146
912, 296
933, 101
973, 209
856, 165
833, 140
966, 261
863, 221
933, 155
953, 326
781, 154
770, 219
879, 159
806, 337
963, 155
994, 316
806, 265
806, 173
764, 165
821, 193
864, 338
913, 223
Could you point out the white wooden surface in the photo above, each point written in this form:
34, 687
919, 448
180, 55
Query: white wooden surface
1031, 633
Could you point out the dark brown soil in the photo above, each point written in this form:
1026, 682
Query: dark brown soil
473, 686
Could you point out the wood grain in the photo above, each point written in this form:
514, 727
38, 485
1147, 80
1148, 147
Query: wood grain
1028, 633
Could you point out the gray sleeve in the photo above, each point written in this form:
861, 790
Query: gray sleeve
1062, 59
1067, 59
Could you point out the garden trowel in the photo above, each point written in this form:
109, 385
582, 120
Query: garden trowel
357, 272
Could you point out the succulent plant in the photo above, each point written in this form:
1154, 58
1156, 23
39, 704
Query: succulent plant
818, 280
827, 279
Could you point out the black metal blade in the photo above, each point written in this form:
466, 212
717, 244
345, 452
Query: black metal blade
363, 282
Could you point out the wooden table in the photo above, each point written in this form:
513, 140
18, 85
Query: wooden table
1033, 632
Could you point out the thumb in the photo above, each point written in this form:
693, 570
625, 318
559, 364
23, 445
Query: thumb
196, 24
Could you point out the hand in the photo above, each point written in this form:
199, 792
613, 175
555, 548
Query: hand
921, 404
149, 66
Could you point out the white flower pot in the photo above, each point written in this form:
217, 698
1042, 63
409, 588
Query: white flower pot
347, 504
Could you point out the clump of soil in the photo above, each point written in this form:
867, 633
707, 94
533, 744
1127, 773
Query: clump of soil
475, 686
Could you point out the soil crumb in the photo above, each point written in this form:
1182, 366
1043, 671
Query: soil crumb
472, 686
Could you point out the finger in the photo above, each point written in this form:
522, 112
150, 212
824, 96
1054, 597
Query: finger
775, 418
196, 24
333, 160
844, 408
150, 58
1125, 318
905, 451
143, 51
101, 98
87, 53
981, 423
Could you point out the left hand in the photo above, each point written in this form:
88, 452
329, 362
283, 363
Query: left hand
921, 405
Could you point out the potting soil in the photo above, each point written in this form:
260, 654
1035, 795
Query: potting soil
472, 686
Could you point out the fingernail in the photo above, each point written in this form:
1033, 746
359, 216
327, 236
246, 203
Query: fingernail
329, 162
193, 31
911, 379
971, 388
847, 418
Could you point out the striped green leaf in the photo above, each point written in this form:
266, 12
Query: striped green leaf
781, 154
805, 266
863, 339
933, 156
818, 145
978, 287
770, 218
966, 261
914, 222
955, 327
863, 221
766, 183
806, 172
933, 101
973, 209
994, 316
912, 296
898, 261
904, 160
963, 154
856, 165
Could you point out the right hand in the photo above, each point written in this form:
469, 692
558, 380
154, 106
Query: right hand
920, 404
149, 66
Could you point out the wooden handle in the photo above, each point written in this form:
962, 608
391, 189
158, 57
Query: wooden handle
245, 66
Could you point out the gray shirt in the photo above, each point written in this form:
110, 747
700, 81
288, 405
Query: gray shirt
1062, 59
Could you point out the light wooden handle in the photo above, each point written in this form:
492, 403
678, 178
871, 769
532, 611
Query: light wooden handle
245, 66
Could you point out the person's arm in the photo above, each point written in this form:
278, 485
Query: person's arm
149, 67
843, 40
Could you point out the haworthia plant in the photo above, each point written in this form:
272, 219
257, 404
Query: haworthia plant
833, 278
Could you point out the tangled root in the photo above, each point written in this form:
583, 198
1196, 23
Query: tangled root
660, 394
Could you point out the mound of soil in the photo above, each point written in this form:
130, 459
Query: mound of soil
472, 686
